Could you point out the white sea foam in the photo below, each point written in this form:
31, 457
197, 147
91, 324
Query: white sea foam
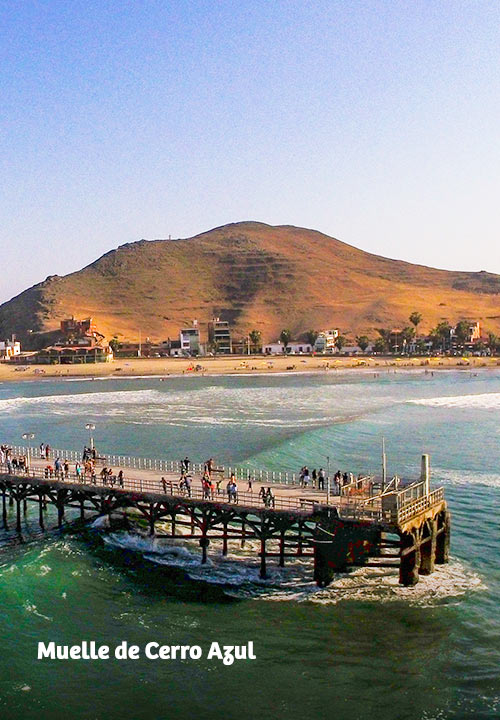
238, 572
483, 401
235, 406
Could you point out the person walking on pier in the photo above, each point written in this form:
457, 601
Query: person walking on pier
270, 498
209, 465
232, 489
314, 478
321, 479
306, 479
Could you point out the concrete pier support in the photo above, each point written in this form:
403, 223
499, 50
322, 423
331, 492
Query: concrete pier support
40, 511
60, 514
443, 539
204, 543
152, 518
410, 559
282, 549
263, 567
224, 539
4, 507
18, 515
428, 548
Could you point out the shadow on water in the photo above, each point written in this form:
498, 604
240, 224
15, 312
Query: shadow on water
147, 577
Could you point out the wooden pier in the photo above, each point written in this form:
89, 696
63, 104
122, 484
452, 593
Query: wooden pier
405, 527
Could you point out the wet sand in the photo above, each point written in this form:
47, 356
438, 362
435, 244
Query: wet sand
234, 365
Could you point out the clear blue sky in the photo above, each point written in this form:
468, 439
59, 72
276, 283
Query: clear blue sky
376, 122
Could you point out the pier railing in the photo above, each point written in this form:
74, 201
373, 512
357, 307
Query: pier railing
145, 485
415, 507
164, 466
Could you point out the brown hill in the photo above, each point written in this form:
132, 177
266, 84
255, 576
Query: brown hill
256, 276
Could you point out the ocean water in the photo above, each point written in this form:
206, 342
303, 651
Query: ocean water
362, 648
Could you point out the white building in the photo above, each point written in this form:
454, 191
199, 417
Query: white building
190, 339
293, 348
325, 342
9, 348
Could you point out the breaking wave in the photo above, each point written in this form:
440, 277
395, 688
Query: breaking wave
484, 401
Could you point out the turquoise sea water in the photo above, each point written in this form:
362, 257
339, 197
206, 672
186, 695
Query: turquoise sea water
362, 648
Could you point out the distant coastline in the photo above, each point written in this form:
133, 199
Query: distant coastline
237, 365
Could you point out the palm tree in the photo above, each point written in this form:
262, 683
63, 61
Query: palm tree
407, 334
340, 342
255, 339
311, 336
440, 334
462, 332
493, 342
285, 337
362, 342
385, 339
415, 319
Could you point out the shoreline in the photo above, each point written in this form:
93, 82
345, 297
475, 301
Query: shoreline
235, 365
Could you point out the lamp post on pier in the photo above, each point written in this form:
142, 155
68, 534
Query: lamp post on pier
28, 436
91, 427
328, 480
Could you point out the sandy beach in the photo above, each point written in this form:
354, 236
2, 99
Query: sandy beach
258, 364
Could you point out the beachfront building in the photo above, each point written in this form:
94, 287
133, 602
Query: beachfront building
190, 339
70, 355
325, 342
293, 348
9, 348
219, 336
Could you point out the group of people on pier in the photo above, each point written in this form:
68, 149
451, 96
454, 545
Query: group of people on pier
317, 480
14, 464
